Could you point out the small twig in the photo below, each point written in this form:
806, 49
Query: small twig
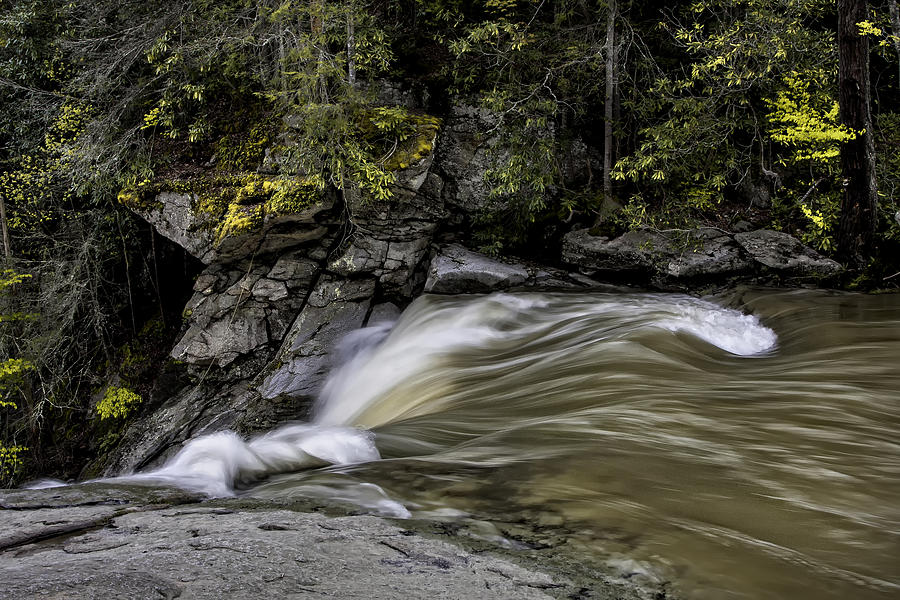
393, 547
812, 188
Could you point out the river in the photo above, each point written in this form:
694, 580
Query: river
742, 446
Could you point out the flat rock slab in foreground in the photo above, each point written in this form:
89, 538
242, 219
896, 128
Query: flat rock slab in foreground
59, 545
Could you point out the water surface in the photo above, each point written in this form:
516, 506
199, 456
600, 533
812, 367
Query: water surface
744, 446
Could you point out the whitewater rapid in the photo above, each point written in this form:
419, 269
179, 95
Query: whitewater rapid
387, 374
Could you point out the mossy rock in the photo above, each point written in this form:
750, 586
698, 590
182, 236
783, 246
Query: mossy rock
418, 146
141, 197
230, 204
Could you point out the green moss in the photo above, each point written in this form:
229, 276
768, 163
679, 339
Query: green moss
240, 203
245, 150
418, 146
288, 196
239, 219
141, 197
233, 202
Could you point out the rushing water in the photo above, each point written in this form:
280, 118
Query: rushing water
741, 447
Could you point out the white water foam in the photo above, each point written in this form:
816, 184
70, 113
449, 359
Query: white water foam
428, 332
725, 328
44, 484
213, 464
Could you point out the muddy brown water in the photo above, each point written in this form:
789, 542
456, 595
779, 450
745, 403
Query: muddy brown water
743, 446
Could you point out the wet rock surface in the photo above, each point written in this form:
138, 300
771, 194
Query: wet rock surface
335, 308
108, 541
458, 270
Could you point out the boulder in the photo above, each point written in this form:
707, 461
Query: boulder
783, 253
699, 253
457, 270
704, 253
633, 251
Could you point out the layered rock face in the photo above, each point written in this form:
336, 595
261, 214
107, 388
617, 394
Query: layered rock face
290, 269
281, 287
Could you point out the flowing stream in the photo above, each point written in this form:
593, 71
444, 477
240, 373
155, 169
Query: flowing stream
746, 446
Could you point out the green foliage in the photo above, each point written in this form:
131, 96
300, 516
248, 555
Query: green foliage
887, 140
822, 223
410, 136
39, 182
9, 278
13, 371
751, 104
805, 120
13, 383
532, 65
11, 463
117, 403
244, 151
12, 375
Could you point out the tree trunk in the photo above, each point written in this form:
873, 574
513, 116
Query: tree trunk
6, 249
856, 235
317, 30
895, 26
609, 102
351, 45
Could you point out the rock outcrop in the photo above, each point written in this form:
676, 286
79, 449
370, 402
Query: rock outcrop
239, 307
457, 270
704, 254
390, 240
280, 289
224, 218
335, 308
